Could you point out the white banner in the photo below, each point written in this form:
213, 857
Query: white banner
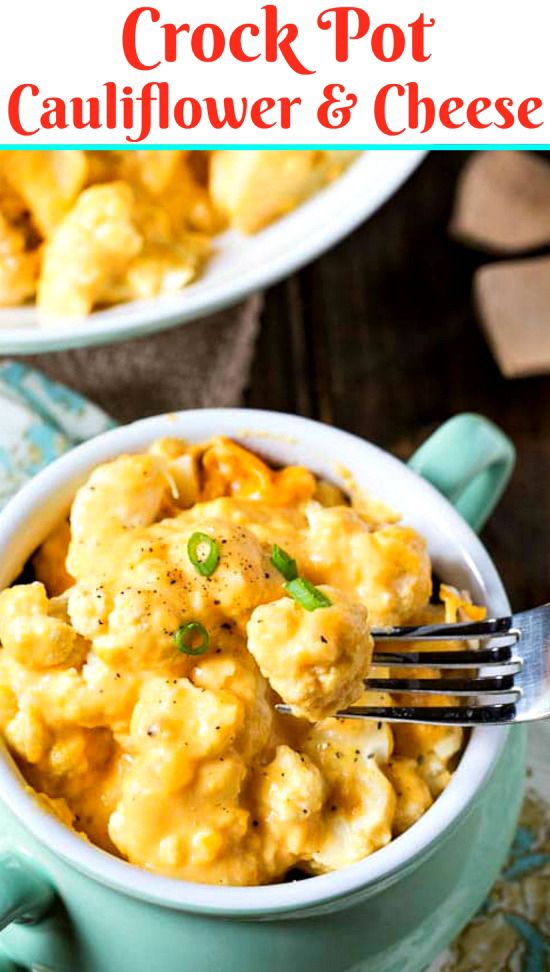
383, 73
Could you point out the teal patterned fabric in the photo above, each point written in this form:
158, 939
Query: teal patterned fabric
40, 420
511, 933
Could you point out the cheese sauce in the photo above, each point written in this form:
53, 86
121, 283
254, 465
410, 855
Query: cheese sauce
177, 760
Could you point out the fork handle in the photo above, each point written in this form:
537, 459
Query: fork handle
469, 460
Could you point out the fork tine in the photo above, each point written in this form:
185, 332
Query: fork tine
501, 713
469, 715
499, 655
494, 685
515, 689
457, 631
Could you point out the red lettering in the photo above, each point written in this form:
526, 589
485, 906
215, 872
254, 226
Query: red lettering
380, 108
93, 119
342, 29
503, 109
503, 106
474, 110
144, 99
163, 99
287, 104
129, 38
180, 110
14, 108
418, 33
127, 103
110, 88
198, 43
524, 111
54, 115
171, 40
397, 41
236, 42
335, 112
258, 110
415, 103
280, 39
230, 113
448, 108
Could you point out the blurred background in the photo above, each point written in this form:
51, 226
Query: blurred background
381, 337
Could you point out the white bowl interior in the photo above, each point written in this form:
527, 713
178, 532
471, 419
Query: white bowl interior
240, 265
458, 557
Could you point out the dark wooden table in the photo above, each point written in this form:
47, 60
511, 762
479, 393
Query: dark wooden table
380, 338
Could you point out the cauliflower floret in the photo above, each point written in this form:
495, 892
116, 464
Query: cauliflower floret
359, 809
290, 793
387, 569
80, 766
31, 635
412, 792
175, 724
315, 660
181, 740
18, 267
49, 562
434, 748
28, 735
93, 246
162, 268
243, 578
254, 188
12, 204
144, 615
8, 697
292, 787
134, 615
196, 833
18, 275
120, 496
88, 607
76, 753
236, 672
151, 169
283, 525
49, 182
92, 697
170, 193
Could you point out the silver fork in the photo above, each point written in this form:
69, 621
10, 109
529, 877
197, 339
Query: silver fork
505, 680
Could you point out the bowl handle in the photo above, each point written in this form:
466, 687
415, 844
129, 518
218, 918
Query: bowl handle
25, 895
6, 964
470, 461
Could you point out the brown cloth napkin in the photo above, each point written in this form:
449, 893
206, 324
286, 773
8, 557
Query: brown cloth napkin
202, 364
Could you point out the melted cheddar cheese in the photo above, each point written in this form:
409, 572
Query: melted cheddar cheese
180, 762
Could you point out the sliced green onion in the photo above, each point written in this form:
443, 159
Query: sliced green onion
205, 563
186, 637
284, 563
307, 595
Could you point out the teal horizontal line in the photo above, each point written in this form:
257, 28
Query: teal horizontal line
360, 146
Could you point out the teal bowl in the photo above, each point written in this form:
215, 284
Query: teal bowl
66, 906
